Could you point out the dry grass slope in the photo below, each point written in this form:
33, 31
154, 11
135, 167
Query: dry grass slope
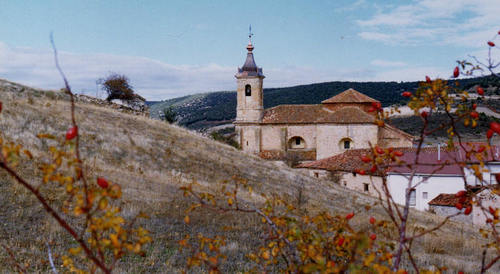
151, 160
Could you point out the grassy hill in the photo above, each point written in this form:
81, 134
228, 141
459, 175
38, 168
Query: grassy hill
205, 110
151, 160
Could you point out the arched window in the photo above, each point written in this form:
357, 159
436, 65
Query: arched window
296, 142
346, 143
248, 90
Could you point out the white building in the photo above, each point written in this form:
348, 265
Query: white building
437, 172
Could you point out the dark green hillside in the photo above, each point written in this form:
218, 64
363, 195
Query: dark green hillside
200, 111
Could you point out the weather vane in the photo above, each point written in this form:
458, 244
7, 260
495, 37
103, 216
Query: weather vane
250, 34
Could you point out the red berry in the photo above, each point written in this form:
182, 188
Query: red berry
474, 106
427, 79
489, 133
489, 220
372, 109
481, 149
495, 127
480, 90
459, 206
491, 44
361, 172
460, 272
379, 150
372, 220
474, 115
340, 241
398, 153
424, 114
102, 182
373, 237
349, 216
461, 193
456, 72
71, 133
376, 105
468, 210
373, 169
365, 159
406, 94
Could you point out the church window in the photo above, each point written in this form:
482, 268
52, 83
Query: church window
296, 142
365, 186
346, 143
248, 90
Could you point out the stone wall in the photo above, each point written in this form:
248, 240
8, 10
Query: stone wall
329, 136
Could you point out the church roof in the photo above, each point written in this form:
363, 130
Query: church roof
315, 114
249, 67
349, 96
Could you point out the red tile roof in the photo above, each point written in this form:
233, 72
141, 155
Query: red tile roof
349, 96
315, 114
445, 199
350, 161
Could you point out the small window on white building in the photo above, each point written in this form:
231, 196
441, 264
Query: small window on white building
316, 174
424, 195
365, 187
413, 198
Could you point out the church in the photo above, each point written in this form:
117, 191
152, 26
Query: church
306, 132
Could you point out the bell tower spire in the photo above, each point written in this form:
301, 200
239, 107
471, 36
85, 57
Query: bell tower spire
249, 101
250, 78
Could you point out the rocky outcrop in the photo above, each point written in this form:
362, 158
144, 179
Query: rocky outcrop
137, 106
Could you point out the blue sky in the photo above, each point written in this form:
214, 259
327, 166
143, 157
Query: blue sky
173, 48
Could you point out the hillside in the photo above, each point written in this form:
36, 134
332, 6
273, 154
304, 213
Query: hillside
151, 160
201, 111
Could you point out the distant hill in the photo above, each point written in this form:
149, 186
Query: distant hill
201, 111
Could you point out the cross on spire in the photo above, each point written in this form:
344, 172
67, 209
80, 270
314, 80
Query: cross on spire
250, 34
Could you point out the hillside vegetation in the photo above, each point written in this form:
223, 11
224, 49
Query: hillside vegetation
151, 160
201, 111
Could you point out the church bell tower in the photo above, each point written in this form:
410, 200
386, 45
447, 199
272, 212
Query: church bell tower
250, 105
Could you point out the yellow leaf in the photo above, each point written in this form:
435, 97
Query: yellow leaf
186, 219
114, 240
265, 255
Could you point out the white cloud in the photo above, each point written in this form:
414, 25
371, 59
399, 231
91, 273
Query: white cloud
156, 80
152, 79
446, 22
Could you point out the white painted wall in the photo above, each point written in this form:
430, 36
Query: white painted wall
434, 186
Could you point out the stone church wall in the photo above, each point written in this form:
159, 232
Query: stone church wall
329, 137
